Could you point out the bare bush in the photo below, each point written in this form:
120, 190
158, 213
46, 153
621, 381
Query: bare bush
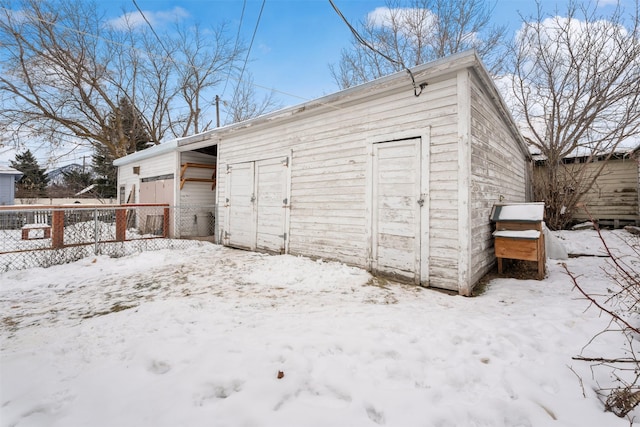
621, 305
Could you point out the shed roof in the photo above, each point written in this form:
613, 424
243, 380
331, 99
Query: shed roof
6, 170
156, 150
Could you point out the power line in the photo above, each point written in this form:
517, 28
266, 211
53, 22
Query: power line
246, 59
235, 48
363, 42
135, 3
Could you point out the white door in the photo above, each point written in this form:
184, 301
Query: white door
271, 205
240, 207
258, 205
397, 204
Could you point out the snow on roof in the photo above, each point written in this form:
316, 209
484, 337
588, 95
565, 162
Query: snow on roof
6, 170
156, 150
518, 212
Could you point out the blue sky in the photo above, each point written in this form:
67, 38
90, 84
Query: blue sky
294, 43
296, 39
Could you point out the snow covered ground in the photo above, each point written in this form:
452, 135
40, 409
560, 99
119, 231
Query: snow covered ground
197, 337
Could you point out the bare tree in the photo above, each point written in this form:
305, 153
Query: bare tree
64, 70
576, 87
205, 61
245, 104
416, 31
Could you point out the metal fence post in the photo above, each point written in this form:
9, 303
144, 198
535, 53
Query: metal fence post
95, 231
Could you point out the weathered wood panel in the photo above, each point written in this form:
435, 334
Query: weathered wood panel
614, 195
499, 172
271, 202
396, 213
240, 214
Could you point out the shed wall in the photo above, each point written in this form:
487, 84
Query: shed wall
330, 212
196, 199
162, 164
7, 189
197, 193
614, 195
499, 172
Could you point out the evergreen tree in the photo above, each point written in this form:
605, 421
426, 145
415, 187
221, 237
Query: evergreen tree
77, 180
135, 131
106, 174
33, 183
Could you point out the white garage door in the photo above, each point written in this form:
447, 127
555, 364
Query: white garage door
258, 205
396, 210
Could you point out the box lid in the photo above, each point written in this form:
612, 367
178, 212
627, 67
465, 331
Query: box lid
528, 212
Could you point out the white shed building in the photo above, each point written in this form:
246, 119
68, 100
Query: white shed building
373, 176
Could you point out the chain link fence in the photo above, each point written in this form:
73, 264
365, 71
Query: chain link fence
45, 236
195, 221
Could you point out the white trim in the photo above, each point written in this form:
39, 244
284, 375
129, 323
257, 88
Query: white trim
425, 212
368, 200
464, 181
154, 151
287, 214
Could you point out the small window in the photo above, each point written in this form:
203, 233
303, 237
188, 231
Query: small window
122, 193
136, 170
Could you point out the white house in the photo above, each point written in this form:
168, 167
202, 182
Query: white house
8, 179
373, 176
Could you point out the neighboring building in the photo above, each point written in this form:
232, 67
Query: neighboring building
613, 197
372, 176
8, 179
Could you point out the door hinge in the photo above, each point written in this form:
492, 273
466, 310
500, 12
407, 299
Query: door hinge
228, 168
285, 162
253, 198
285, 201
421, 202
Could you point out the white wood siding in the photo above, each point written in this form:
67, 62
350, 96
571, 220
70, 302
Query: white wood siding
614, 195
444, 247
499, 172
162, 164
464, 181
329, 180
197, 193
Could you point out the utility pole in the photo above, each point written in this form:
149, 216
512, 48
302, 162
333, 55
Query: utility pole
217, 111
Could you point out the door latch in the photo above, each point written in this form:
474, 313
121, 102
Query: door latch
421, 202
